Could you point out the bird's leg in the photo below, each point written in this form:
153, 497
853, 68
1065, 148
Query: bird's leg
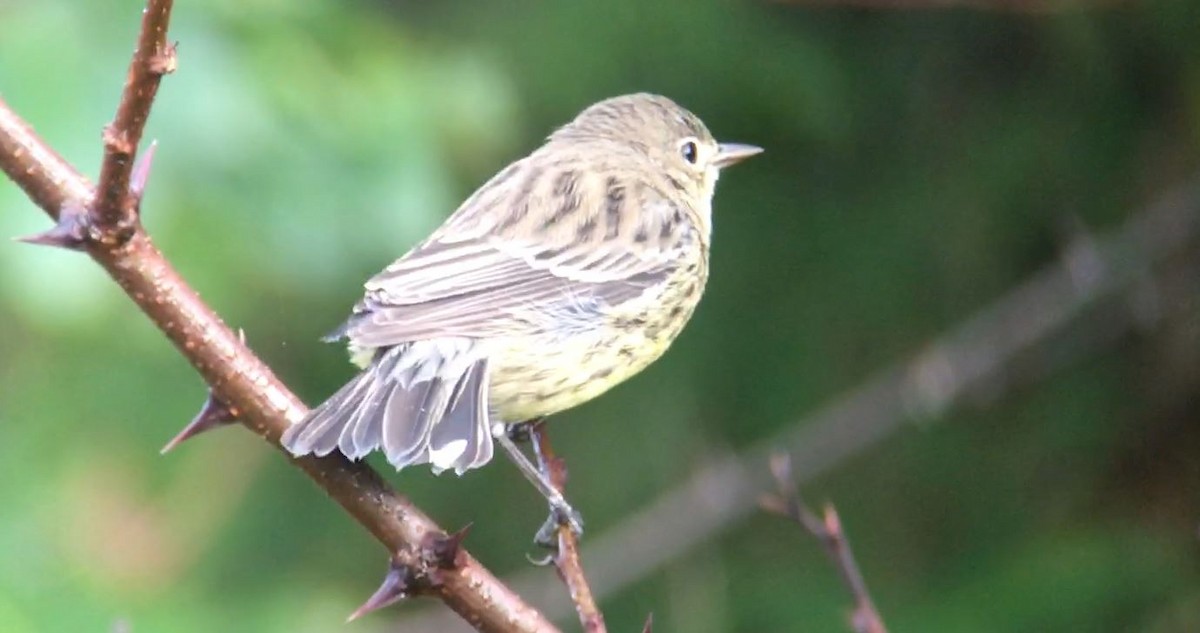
522, 431
554, 470
561, 512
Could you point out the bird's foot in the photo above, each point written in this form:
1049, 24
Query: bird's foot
561, 515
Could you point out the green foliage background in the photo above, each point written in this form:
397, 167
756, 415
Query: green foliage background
919, 163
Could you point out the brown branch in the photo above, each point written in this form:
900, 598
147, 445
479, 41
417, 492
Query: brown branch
48, 180
828, 530
566, 555
236, 376
114, 207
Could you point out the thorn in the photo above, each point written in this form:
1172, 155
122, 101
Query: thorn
395, 586
213, 413
141, 172
649, 626
445, 549
70, 232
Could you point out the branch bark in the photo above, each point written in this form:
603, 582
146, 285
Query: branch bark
105, 225
114, 206
566, 555
828, 531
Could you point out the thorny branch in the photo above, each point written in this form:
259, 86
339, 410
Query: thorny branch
566, 554
103, 221
828, 530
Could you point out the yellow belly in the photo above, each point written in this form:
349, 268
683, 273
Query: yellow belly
534, 376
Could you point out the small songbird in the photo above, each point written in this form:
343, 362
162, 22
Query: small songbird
565, 274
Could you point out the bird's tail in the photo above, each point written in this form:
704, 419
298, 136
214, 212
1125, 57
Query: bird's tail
417, 405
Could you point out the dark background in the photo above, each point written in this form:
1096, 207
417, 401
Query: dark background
920, 166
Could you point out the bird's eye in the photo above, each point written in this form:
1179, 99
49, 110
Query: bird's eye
689, 152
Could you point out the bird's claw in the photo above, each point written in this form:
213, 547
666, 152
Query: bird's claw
561, 515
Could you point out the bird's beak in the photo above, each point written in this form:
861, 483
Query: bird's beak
730, 153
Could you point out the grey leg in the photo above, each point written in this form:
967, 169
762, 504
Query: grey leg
561, 512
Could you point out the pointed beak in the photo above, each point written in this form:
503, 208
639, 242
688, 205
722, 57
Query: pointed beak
731, 153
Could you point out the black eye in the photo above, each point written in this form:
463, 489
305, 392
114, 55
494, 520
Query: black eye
689, 152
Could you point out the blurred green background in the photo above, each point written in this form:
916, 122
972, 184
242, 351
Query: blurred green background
920, 164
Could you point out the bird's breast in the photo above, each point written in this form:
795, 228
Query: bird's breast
541, 374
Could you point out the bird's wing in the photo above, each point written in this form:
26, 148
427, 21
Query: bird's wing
534, 248
486, 286
479, 289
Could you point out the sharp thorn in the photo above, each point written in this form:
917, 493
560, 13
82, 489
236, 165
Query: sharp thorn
141, 172
649, 626
394, 587
213, 413
445, 549
56, 237
69, 232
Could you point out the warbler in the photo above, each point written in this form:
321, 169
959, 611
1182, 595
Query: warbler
569, 271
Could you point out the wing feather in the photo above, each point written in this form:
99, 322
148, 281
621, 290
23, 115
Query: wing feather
503, 296
468, 280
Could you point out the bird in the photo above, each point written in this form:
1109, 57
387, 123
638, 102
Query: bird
565, 274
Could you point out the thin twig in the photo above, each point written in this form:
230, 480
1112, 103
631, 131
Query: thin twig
237, 377
115, 204
566, 555
828, 530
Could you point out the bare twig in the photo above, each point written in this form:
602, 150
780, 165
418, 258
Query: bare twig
114, 207
566, 555
828, 530
236, 376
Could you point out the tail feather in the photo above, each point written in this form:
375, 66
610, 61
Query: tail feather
409, 418
319, 432
416, 408
358, 436
462, 440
